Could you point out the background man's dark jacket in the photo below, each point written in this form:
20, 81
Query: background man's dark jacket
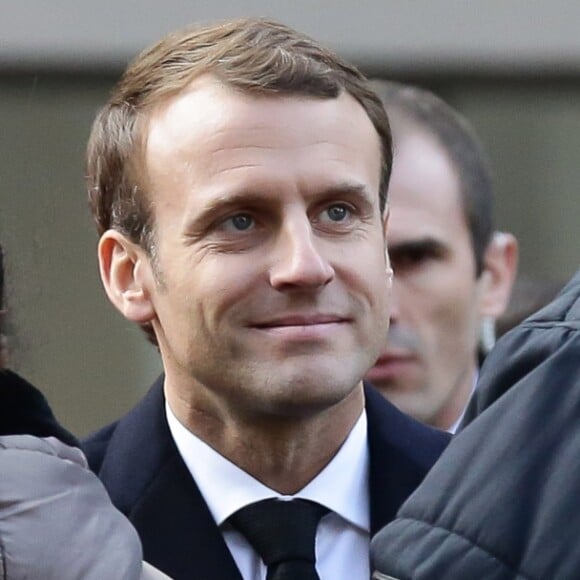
56, 519
147, 480
503, 501
25, 411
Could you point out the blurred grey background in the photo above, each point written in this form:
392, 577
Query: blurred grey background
513, 68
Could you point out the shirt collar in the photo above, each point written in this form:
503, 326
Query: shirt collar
342, 486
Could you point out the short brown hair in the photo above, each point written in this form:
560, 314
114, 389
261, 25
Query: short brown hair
252, 55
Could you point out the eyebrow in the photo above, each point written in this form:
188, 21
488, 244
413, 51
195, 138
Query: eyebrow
427, 244
241, 199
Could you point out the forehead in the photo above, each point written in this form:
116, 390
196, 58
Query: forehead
424, 191
225, 133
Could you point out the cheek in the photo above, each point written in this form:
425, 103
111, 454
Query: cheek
369, 268
454, 317
224, 283
433, 302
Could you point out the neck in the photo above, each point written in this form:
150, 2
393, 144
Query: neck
457, 401
284, 453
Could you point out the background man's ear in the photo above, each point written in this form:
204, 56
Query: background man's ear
127, 277
500, 267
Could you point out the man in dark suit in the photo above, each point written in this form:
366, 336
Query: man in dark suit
238, 177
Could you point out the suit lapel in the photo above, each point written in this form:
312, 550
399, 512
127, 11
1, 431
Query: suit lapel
401, 453
382, 471
149, 482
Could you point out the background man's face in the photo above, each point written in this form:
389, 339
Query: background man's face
272, 292
430, 354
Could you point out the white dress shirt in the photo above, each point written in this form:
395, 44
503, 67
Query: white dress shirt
343, 535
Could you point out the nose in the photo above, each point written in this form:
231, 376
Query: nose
298, 262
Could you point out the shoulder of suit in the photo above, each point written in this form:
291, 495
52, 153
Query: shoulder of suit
95, 446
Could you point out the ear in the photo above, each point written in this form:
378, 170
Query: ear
127, 276
497, 279
386, 214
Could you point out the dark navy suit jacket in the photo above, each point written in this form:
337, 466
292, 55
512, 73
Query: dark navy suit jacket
148, 481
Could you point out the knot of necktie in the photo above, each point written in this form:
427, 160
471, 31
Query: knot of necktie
283, 533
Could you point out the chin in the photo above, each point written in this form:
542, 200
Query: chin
309, 394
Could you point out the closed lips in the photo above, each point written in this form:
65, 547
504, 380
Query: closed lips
301, 321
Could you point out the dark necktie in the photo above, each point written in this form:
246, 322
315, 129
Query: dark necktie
283, 533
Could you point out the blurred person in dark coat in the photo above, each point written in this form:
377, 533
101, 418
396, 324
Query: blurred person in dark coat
502, 501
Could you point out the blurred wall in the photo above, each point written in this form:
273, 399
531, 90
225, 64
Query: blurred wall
417, 35
511, 68
531, 130
65, 336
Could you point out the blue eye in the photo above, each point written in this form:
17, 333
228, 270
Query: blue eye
337, 213
240, 222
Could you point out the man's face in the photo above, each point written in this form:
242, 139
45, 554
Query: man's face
271, 287
428, 366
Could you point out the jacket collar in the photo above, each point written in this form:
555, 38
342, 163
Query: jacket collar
401, 452
148, 481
